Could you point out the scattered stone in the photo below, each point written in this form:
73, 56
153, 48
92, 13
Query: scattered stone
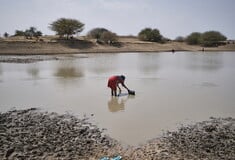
9, 152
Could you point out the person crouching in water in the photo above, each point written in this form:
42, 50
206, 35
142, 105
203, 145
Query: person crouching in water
114, 82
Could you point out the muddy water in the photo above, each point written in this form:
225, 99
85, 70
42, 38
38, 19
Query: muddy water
171, 89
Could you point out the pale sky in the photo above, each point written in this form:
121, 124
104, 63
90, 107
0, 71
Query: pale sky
125, 17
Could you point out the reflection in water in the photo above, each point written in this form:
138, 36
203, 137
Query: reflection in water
68, 72
207, 62
208, 84
0, 72
0, 69
99, 65
148, 63
33, 71
116, 104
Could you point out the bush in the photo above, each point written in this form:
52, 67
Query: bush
206, 39
96, 33
6, 35
103, 35
29, 33
108, 37
194, 38
213, 39
179, 39
19, 33
148, 34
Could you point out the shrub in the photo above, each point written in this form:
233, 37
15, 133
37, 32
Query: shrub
194, 38
108, 37
29, 33
206, 39
212, 39
6, 35
96, 33
148, 34
19, 33
103, 35
179, 39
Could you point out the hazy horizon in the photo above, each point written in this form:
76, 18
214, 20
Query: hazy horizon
124, 17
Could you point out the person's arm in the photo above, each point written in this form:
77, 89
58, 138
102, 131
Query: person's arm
125, 86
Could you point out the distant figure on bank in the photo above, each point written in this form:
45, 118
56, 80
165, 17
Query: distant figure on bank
114, 82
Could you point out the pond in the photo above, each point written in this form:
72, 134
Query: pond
171, 89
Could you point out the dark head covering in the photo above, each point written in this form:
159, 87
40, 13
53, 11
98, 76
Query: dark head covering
123, 77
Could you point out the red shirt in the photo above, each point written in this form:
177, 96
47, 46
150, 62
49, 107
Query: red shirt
113, 82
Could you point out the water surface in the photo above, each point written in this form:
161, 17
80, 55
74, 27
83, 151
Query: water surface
171, 89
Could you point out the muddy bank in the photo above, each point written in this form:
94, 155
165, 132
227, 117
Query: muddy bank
76, 46
213, 139
25, 59
36, 58
31, 134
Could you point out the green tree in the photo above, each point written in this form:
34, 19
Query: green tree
212, 38
19, 33
38, 34
149, 34
31, 32
66, 27
194, 38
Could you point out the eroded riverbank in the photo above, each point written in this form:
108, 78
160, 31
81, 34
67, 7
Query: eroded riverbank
37, 58
32, 134
16, 46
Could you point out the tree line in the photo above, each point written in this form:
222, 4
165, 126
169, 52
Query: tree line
207, 39
66, 28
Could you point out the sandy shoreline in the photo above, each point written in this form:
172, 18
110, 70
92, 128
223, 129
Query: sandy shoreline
32, 134
78, 46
